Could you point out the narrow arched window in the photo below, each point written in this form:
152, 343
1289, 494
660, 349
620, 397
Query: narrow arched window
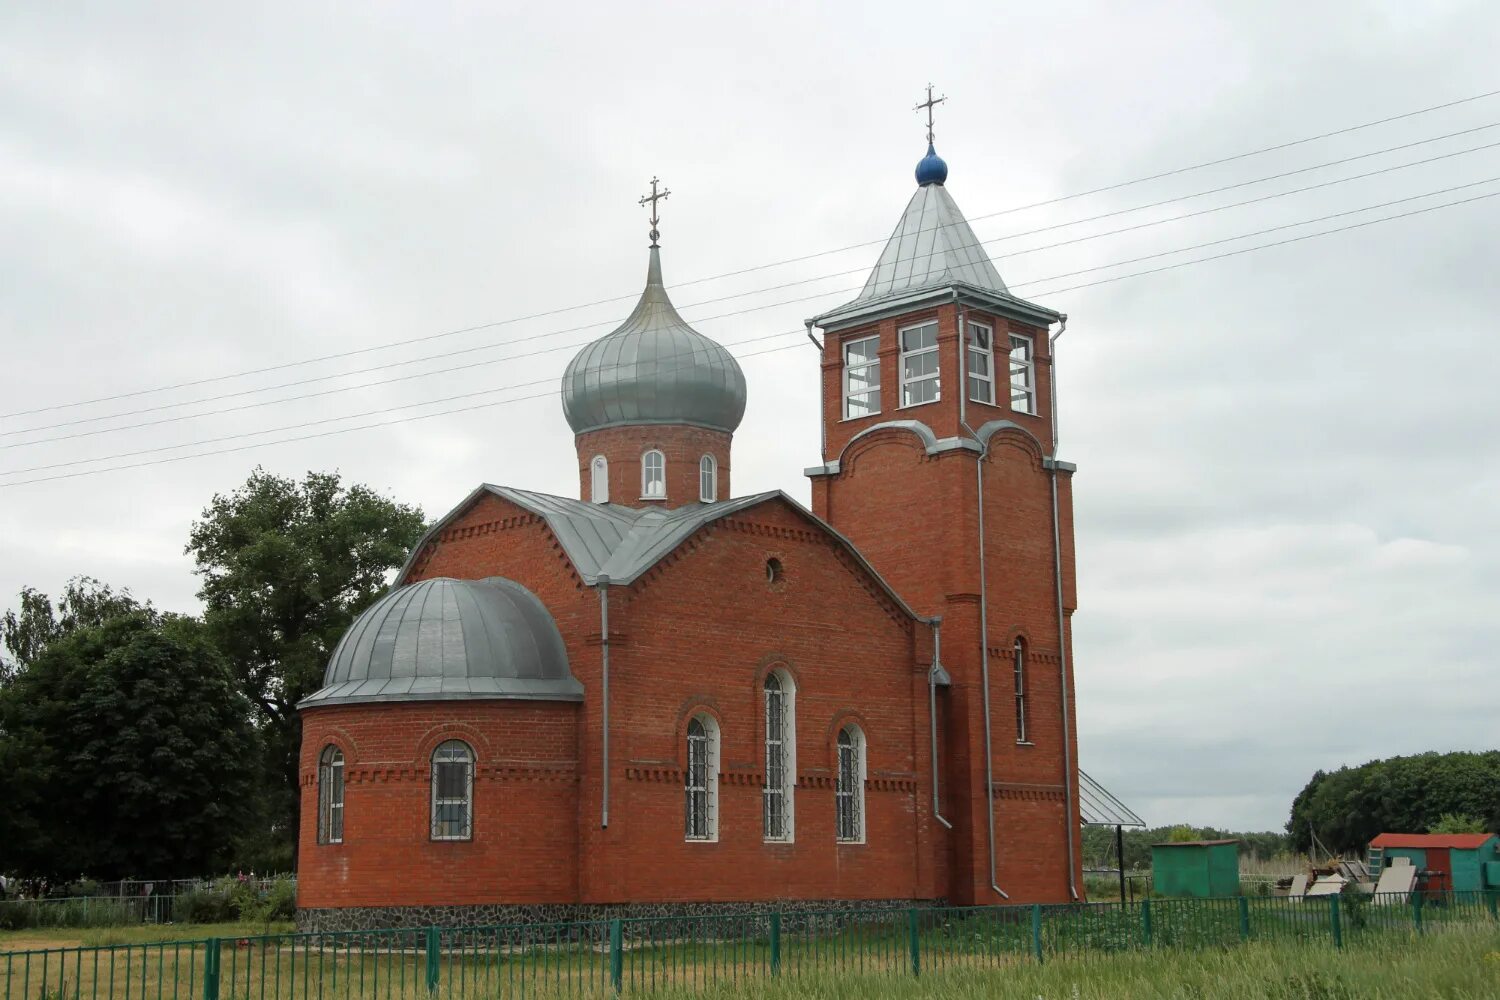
653, 475
1020, 664
701, 779
849, 792
599, 479
781, 742
331, 795
453, 791
708, 479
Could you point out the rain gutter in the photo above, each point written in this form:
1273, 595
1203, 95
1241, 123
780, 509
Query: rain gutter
1062, 636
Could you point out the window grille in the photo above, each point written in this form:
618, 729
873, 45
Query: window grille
861, 377
849, 794
1022, 375
653, 475
452, 791
779, 736
919, 365
701, 782
599, 480
981, 363
331, 796
1020, 660
708, 479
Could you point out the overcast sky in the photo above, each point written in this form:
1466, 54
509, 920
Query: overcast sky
1287, 458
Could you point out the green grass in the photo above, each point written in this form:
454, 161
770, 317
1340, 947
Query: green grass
100, 937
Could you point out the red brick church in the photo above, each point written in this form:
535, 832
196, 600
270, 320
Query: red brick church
663, 695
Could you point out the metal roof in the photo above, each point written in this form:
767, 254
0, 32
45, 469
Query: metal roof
1462, 841
1098, 807
445, 639
653, 369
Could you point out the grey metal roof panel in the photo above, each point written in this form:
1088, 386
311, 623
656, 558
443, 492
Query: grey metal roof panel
1097, 806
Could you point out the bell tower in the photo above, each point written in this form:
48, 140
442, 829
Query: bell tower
939, 464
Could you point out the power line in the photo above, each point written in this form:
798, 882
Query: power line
588, 326
760, 267
1103, 281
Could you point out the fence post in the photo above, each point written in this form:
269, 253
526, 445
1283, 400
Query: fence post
776, 943
1416, 911
1244, 918
914, 934
1334, 922
616, 954
1036, 930
432, 959
211, 969
1146, 920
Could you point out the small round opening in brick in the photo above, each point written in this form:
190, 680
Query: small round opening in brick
773, 570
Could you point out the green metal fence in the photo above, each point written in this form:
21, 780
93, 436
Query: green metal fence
642, 955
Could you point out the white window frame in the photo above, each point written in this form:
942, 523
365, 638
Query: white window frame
451, 749
1022, 374
849, 786
660, 465
977, 381
935, 377
700, 781
863, 368
708, 479
1018, 654
331, 795
599, 479
778, 813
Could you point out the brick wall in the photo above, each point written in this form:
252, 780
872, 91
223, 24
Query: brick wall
682, 447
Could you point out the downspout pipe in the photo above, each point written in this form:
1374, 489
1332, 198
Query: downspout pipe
603, 584
932, 680
984, 618
822, 421
1062, 634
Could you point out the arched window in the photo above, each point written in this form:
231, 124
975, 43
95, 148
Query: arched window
599, 479
331, 795
1020, 658
452, 791
653, 475
781, 755
849, 793
701, 780
708, 479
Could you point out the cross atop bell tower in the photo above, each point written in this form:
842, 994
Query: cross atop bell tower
929, 104
653, 198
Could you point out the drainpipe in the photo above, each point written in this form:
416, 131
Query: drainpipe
932, 677
822, 417
1062, 637
603, 585
984, 618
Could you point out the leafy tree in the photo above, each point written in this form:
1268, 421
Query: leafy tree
1457, 823
285, 567
124, 744
85, 602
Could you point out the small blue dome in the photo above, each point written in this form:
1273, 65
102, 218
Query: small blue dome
931, 169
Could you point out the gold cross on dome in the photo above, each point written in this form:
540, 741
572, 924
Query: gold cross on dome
653, 198
929, 104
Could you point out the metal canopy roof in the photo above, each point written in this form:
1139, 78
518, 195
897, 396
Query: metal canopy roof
1098, 807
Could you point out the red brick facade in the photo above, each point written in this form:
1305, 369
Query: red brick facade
682, 447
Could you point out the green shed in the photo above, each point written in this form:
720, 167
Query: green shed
1465, 862
1201, 868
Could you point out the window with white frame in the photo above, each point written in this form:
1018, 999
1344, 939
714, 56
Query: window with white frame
1020, 663
708, 479
331, 796
653, 475
701, 779
861, 377
919, 365
599, 479
849, 792
981, 363
453, 791
1022, 374
781, 738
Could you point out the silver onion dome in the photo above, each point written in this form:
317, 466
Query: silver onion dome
653, 369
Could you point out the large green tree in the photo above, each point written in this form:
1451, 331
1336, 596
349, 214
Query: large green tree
125, 745
84, 602
285, 567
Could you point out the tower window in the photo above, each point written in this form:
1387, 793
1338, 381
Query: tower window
701, 780
981, 363
453, 791
653, 475
849, 794
919, 365
331, 796
1020, 657
708, 479
861, 377
1022, 374
781, 738
599, 479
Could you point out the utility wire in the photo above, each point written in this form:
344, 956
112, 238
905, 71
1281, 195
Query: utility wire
551, 333
479, 406
760, 267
